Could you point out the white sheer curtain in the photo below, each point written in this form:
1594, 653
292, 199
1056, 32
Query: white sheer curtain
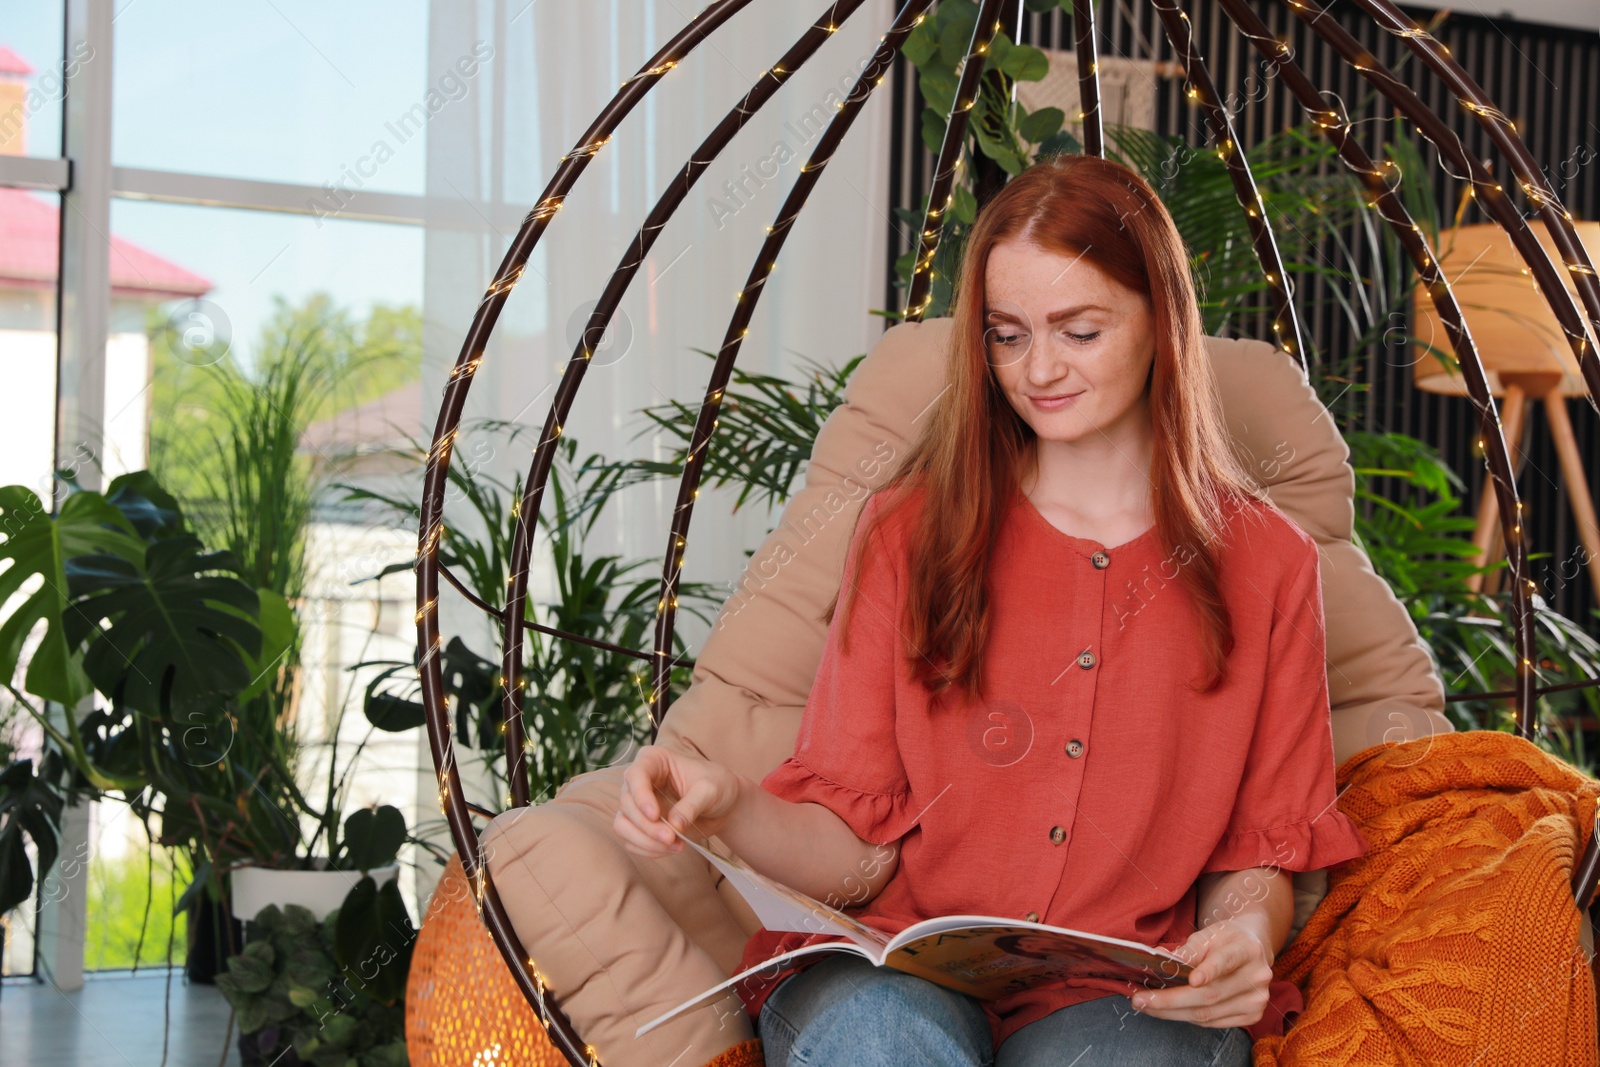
518, 83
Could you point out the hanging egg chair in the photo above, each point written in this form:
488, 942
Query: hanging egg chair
1380, 180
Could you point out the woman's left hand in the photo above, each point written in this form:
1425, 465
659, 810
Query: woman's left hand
1229, 983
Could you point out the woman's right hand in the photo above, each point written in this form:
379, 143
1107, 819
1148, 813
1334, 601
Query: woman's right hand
707, 790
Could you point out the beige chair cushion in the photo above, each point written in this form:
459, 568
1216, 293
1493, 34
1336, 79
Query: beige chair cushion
621, 938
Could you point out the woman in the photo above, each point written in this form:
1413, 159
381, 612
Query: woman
1079, 679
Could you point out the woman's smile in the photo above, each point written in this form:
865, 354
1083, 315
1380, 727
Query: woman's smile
1055, 403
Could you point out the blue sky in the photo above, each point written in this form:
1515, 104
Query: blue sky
281, 90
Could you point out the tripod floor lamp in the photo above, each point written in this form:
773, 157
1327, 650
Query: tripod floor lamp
1526, 358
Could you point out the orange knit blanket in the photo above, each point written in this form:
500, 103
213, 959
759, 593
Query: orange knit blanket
1455, 940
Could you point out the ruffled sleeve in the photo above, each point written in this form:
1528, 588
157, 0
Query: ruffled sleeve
877, 818
846, 756
1286, 813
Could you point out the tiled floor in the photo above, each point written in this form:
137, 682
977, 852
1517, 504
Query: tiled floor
114, 1021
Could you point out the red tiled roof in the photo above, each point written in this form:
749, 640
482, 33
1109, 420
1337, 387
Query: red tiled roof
377, 424
30, 244
13, 64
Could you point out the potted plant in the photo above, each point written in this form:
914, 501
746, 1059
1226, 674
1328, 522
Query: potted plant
321, 978
583, 707
324, 990
191, 648
370, 844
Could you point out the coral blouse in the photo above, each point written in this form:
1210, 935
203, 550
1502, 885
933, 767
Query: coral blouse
1092, 787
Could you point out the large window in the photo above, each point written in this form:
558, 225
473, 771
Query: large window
258, 187
291, 91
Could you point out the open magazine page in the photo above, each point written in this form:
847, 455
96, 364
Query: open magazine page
781, 960
782, 908
984, 956
989, 961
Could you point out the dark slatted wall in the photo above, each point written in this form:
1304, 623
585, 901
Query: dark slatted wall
1545, 78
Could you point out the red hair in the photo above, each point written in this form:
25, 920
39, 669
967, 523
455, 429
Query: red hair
974, 449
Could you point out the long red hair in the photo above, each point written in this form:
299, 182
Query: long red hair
975, 448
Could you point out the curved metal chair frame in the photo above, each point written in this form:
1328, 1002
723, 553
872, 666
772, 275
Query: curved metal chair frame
1380, 179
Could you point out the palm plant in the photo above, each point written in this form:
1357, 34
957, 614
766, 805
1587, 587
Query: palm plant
585, 707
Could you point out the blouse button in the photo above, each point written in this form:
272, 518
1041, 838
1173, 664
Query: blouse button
1086, 659
1057, 834
1074, 748
1032, 916
1100, 560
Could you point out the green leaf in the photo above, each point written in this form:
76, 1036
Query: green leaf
253, 969
151, 510
339, 1030
254, 1015
303, 997
202, 875
298, 924
29, 809
279, 630
965, 207
939, 90
922, 44
999, 45
391, 713
956, 11
38, 545
390, 1055
955, 37
933, 127
1026, 63
309, 966
373, 939
179, 638
1041, 124
372, 838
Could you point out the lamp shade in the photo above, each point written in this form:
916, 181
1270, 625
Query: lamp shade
1510, 320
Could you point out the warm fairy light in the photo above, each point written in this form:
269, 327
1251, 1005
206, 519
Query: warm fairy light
588, 149
507, 283
442, 447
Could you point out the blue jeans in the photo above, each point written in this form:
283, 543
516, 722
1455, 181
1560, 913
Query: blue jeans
845, 1012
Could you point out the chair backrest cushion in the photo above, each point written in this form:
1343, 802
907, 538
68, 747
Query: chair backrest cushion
754, 673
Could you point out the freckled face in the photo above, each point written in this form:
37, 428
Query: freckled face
1071, 347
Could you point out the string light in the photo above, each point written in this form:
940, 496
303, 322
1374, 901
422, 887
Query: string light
548, 206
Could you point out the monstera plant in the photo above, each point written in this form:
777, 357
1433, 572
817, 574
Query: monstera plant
121, 600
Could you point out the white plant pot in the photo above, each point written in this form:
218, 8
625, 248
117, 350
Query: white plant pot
318, 891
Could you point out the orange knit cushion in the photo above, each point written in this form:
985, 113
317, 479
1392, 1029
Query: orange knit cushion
1455, 940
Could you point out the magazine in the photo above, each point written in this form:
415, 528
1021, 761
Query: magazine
982, 955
